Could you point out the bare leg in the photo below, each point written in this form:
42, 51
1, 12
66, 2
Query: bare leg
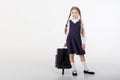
86, 70
71, 57
82, 58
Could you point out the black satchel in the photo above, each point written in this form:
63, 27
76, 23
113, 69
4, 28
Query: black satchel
62, 59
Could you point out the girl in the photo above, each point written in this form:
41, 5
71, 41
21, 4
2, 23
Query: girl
75, 40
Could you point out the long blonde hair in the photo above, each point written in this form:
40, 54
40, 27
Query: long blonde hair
76, 8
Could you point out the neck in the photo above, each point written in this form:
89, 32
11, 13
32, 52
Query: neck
75, 18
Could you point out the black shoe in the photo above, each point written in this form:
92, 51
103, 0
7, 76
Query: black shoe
88, 72
74, 73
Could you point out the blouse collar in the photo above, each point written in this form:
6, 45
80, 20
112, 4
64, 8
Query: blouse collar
75, 20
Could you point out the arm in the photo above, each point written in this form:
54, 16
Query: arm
83, 36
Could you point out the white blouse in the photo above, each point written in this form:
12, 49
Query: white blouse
74, 21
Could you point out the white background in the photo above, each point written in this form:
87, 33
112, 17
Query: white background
32, 30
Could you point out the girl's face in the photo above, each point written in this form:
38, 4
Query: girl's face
74, 13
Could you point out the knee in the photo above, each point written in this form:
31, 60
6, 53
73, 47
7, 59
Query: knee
71, 55
81, 56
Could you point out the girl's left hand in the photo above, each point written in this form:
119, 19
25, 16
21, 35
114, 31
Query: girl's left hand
83, 46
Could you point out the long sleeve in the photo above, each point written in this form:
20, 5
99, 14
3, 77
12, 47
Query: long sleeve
83, 37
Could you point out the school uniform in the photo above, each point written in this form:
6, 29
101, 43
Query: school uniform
74, 40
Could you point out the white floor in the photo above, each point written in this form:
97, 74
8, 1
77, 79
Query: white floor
31, 69
31, 31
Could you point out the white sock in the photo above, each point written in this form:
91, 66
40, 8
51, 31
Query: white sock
73, 66
85, 66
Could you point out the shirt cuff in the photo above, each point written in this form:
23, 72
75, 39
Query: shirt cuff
83, 40
65, 39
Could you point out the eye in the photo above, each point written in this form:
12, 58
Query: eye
76, 12
72, 12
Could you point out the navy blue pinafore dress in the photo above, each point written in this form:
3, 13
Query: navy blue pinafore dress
74, 42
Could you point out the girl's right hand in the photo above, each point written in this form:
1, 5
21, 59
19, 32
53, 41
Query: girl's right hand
65, 45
